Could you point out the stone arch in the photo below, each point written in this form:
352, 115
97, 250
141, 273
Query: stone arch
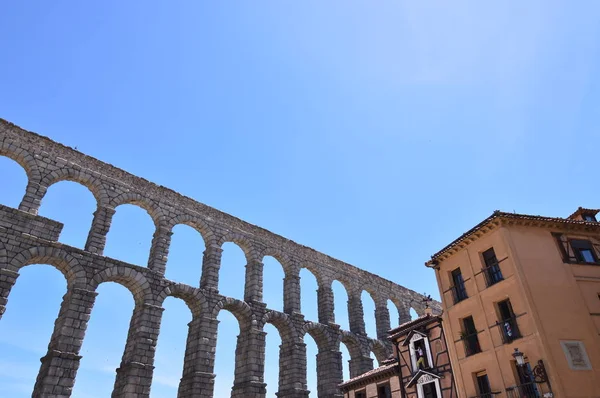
93, 184
319, 334
69, 266
244, 243
196, 223
193, 298
240, 310
283, 259
380, 350
313, 269
130, 278
282, 322
352, 343
23, 158
131, 198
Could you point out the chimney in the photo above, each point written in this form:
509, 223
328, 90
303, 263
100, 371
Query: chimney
428, 311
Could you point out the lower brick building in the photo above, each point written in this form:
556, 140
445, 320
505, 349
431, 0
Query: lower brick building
419, 368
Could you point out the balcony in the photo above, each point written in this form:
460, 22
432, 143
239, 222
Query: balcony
509, 330
459, 293
492, 274
526, 390
471, 343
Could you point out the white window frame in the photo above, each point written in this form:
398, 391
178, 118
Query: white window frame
413, 353
437, 388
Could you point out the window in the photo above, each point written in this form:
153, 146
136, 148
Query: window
584, 251
483, 385
383, 391
527, 387
420, 352
491, 272
509, 329
360, 394
589, 217
469, 337
430, 390
459, 293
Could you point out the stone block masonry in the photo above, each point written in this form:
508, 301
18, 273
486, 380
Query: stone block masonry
26, 238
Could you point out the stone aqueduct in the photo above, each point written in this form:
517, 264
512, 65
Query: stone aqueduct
26, 238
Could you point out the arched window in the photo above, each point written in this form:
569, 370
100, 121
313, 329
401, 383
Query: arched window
130, 235
105, 340
232, 275
369, 314
413, 314
73, 205
26, 327
394, 314
340, 299
311, 364
273, 283
273, 341
14, 182
345, 361
228, 330
170, 349
184, 262
308, 295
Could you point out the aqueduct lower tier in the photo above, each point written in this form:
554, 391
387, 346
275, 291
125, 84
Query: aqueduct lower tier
26, 238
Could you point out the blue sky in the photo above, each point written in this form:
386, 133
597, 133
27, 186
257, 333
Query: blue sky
375, 132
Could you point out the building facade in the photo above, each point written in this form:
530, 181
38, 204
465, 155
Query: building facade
521, 306
420, 367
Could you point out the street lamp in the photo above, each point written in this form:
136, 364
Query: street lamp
519, 357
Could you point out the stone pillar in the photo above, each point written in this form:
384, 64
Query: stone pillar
329, 374
33, 197
249, 365
382, 321
198, 380
160, 249
59, 367
360, 365
291, 292
292, 370
211, 263
355, 314
326, 306
134, 375
403, 314
8, 279
254, 281
96, 240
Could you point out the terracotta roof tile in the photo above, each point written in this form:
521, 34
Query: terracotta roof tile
499, 216
371, 373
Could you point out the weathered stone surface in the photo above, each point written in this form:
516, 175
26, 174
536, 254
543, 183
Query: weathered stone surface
26, 238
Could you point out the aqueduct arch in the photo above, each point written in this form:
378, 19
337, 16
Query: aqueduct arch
27, 237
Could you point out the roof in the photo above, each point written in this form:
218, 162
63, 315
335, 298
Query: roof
499, 217
381, 371
582, 210
418, 375
415, 323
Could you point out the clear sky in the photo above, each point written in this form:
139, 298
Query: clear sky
376, 132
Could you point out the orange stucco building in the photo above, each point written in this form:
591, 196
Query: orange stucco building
523, 289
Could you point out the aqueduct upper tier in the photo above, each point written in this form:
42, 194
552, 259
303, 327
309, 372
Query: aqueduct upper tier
26, 238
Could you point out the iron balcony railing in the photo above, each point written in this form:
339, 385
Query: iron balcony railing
509, 330
526, 390
471, 342
459, 293
492, 274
